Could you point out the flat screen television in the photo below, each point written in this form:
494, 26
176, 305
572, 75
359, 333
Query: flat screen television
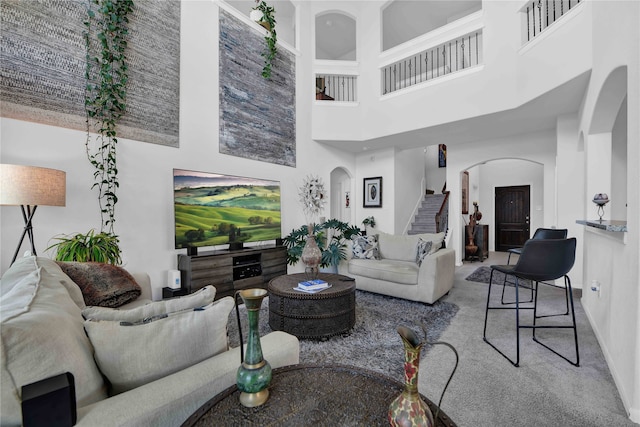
212, 209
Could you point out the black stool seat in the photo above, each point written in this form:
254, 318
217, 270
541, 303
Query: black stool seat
541, 261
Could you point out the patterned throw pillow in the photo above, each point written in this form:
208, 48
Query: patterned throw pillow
424, 247
365, 247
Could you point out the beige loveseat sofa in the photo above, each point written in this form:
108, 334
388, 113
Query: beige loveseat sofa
155, 372
405, 266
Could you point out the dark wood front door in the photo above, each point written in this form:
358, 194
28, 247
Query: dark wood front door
512, 217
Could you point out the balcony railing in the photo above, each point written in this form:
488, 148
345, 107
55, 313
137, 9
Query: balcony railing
334, 87
542, 13
446, 58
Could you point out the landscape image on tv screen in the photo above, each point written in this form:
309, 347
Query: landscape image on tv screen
213, 209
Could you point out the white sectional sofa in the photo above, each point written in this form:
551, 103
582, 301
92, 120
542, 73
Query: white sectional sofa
151, 372
398, 269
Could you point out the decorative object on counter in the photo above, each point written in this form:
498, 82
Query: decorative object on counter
601, 199
254, 374
408, 409
28, 187
263, 14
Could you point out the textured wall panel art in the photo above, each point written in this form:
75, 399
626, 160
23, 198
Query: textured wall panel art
257, 116
42, 64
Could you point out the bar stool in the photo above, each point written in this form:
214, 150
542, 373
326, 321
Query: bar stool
540, 233
541, 261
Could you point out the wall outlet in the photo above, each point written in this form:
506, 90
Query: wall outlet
596, 287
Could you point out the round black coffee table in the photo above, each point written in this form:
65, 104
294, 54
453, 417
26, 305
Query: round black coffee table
323, 314
312, 395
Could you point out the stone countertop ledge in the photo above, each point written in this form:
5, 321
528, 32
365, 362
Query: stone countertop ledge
615, 226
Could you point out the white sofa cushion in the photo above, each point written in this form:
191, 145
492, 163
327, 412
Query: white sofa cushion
133, 355
404, 272
42, 336
398, 247
200, 298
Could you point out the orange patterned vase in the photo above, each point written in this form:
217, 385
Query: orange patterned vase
409, 409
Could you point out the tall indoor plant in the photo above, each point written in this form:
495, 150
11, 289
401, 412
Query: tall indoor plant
106, 76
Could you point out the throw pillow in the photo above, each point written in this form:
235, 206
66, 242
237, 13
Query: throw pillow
133, 354
365, 247
424, 248
436, 238
102, 284
42, 336
200, 298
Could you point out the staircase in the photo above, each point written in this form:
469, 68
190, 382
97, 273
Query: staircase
425, 220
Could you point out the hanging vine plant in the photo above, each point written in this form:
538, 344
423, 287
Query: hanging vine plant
106, 75
265, 16
105, 95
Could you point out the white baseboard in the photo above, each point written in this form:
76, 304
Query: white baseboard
634, 413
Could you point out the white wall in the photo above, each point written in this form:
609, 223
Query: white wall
371, 164
435, 176
613, 258
409, 186
144, 212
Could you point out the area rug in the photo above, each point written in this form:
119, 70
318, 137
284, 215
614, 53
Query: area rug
482, 275
373, 343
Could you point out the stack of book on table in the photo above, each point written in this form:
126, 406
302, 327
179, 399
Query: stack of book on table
312, 286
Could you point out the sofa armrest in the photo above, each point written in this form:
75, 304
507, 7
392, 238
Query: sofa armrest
169, 401
437, 271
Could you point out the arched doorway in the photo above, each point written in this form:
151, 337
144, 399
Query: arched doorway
341, 195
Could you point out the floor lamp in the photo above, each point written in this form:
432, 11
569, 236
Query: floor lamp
29, 187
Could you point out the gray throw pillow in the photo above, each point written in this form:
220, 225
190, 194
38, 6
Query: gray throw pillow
365, 247
133, 354
423, 249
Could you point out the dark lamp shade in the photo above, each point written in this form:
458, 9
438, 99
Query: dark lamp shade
32, 186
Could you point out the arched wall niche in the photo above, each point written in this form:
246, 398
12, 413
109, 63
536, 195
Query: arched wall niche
341, 195
335, 35
606, 146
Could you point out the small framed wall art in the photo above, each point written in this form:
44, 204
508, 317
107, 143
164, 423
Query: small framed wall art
372, 192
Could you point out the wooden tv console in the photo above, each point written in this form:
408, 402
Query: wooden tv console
230, 271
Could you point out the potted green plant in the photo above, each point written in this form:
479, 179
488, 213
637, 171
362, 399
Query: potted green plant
100, 247
264, 15
368, 222
331, 237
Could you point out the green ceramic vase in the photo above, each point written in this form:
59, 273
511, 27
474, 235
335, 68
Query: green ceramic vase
254, 374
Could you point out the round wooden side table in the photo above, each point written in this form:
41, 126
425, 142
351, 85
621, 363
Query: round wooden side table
323, 314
